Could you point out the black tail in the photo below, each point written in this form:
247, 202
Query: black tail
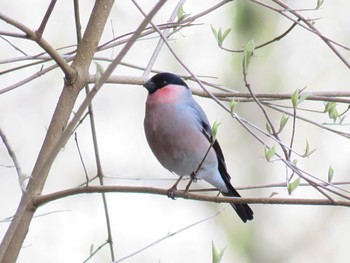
243, 210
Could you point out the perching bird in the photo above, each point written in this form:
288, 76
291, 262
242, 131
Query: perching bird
179, 135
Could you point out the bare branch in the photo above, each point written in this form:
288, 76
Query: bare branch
43, 199
48, 13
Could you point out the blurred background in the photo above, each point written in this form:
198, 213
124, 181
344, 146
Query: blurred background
66, 230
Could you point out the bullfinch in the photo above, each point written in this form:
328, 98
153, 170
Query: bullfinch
179, 135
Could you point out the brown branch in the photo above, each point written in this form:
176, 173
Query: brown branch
48, 13
44, 199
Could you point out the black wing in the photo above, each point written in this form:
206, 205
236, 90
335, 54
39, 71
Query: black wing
243, 210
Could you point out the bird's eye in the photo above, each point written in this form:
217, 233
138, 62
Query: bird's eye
165, 82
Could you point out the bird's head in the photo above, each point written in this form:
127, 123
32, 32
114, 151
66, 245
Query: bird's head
162, 80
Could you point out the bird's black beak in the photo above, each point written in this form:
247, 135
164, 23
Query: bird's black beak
150, 86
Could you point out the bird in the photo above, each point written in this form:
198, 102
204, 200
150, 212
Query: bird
179, 134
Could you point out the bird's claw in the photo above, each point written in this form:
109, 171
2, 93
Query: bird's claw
194, 177
171, 192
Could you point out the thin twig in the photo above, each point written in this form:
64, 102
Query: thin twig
13, 156
81, 157
278, 38
170, 235
12, 45
274, 132
28, 79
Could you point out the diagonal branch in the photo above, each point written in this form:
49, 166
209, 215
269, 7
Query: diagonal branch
48, 13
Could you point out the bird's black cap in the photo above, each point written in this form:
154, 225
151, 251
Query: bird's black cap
161, 80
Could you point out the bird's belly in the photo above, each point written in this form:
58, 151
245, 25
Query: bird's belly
180, 145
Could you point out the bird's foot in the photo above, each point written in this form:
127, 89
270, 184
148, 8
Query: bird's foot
194, 177
171, 192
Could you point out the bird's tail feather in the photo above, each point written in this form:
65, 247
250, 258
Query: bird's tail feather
243, 210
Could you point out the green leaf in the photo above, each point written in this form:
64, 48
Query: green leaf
333, 113
293, 185
248, 53
216, 255
269, 153
307, 151
227, 31
319, 3
215, 33
330, 174
295, 98
302, 98
214, 128
233, 104
331, 109
283, 122
181, 14
328, 106
220, 37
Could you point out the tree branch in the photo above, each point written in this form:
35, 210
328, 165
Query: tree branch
44, 199
48, 13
